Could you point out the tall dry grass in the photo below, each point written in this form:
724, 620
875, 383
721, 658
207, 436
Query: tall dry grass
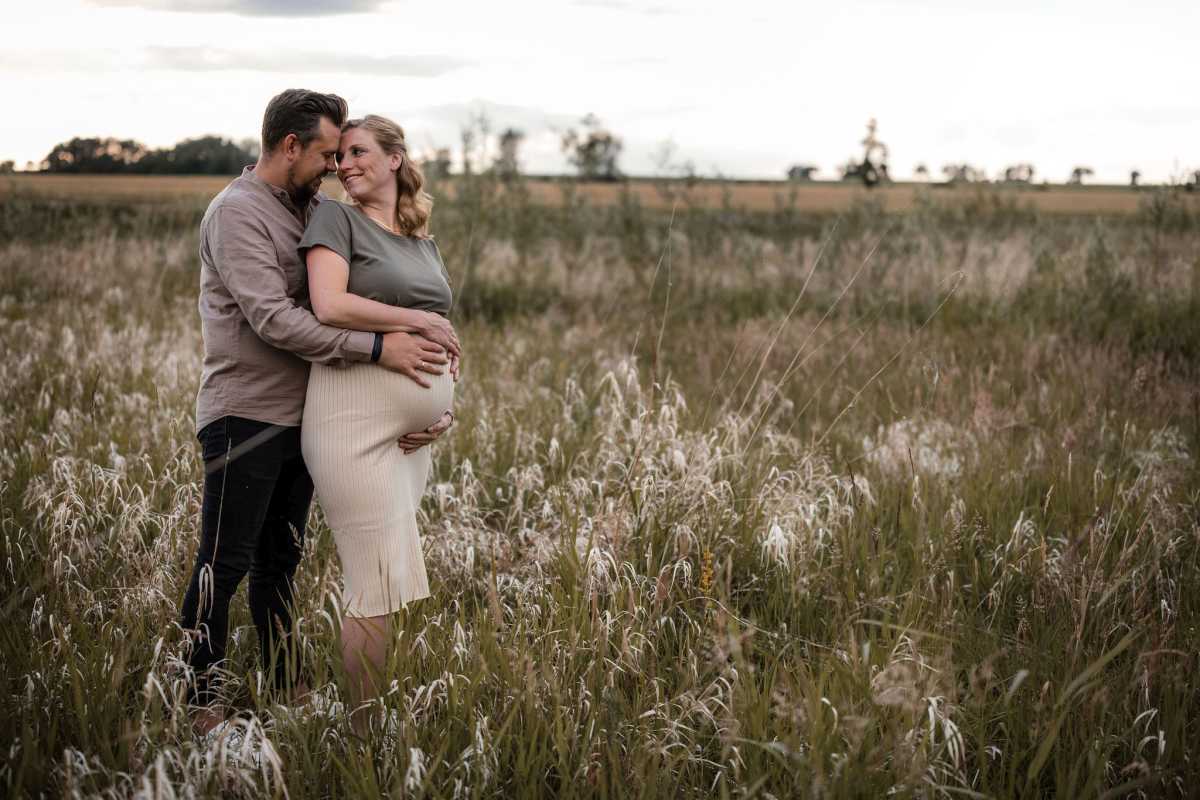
739, 503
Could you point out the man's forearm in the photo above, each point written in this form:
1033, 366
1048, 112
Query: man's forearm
295, 329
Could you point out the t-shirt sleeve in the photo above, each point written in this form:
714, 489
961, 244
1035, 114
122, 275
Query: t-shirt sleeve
437, 256
328, 227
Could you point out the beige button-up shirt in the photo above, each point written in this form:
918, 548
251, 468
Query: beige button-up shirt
259, 334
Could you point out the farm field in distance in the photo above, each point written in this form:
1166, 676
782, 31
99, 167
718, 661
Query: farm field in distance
860, 495
754, 195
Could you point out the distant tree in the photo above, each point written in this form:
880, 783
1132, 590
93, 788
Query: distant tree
664, 157
801, 172
962, 173
507, 165
1134, 177
473, 136
1079, 174
873, 168
251, 146
850, 171
438, 164
466, 138
921, 172
207, 155
666, 165
593, 151
7, 167
1019, 173
95, 155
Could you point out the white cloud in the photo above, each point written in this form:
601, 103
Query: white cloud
499, 115
651, 9
204, 59
213, 59
252, 8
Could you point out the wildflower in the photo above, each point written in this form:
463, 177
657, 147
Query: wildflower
777, 546
933, 447
414, 776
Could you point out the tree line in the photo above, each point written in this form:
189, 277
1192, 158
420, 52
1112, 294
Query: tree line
592, 150
872, 169
206, 155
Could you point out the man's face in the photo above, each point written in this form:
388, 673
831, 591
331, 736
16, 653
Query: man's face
312, 162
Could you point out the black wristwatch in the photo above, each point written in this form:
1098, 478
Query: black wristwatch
377, 348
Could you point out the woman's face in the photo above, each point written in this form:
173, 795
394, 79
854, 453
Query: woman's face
363, 168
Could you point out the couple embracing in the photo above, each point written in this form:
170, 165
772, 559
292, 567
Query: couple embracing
345, 397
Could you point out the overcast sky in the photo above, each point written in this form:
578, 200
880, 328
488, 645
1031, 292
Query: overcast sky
742, 88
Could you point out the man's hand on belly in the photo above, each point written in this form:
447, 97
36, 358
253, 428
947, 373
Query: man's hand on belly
411, 442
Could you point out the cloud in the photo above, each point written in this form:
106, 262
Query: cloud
628, 5
253, 8
207, 59
499, 116
90, 61
1166, 114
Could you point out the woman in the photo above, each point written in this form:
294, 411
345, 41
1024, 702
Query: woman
372, 266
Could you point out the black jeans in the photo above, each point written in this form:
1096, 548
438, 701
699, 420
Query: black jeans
256, 497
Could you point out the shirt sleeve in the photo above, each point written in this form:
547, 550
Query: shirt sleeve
437, 255
243, 254
328, 227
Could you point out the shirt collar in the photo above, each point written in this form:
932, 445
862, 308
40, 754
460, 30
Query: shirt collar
281, 194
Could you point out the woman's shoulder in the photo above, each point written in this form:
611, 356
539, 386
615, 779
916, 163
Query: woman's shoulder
331, 217
429, 244
329, 226
330, 208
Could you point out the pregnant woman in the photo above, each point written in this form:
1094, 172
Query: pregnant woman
372, 266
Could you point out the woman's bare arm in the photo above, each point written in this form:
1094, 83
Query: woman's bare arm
328, 277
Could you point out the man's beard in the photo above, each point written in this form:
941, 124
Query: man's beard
302, 193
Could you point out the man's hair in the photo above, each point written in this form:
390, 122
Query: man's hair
299, 111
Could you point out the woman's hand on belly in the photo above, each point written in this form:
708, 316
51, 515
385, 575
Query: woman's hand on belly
438, 329
412, 355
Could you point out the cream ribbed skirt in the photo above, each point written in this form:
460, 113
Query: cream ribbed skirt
367, 486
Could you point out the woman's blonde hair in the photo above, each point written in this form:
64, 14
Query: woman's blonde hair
413, 204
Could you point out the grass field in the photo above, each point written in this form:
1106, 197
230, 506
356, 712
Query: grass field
742, 502
753, 195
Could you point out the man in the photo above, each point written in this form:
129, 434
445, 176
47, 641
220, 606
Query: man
258, 340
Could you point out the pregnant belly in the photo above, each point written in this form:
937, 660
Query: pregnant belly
394, 404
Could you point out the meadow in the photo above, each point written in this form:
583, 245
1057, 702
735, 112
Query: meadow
744, 500
810, 196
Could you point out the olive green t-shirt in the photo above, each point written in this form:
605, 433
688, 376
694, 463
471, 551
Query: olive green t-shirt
398, 270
